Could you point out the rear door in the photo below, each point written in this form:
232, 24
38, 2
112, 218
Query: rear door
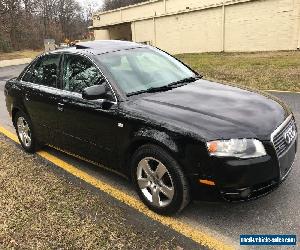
87, 127
41, 95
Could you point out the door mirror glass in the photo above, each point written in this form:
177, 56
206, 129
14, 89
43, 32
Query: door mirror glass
94, 92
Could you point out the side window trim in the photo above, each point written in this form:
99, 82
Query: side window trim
59, 83
63, 55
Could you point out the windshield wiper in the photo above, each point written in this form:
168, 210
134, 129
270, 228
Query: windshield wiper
185, 80
167, 87
151, 90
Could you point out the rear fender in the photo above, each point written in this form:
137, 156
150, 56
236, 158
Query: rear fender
14, 98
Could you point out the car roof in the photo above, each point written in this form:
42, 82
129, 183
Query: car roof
102, 47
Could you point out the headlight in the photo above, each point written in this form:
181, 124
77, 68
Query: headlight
240, 148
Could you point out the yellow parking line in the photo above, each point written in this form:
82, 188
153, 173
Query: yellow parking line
9, 134
198, 236
281, 91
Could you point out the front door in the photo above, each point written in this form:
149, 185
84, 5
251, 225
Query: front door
87, 127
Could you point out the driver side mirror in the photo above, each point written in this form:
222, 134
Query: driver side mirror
94, 92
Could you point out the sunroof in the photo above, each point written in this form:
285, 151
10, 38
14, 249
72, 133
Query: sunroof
79, 46
105, 46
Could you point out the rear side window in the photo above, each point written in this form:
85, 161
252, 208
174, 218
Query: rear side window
28, 76
44, 72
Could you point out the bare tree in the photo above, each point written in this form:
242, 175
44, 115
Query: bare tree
25, 23
114, 4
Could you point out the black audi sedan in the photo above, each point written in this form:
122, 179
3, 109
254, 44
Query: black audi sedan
144, 114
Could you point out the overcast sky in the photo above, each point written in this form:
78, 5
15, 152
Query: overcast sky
95, 3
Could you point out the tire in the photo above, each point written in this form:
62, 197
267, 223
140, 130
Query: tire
25, 132
159, 180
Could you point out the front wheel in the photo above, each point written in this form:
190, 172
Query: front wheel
159, 180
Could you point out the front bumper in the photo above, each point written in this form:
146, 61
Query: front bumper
284, 163
245, 179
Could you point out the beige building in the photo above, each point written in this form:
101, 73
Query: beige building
187, 26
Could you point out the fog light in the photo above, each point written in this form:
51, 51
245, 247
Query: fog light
245, 193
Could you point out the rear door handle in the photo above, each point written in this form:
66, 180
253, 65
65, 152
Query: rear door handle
60, 106
27, 97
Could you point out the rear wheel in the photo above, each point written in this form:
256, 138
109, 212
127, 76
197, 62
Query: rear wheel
25, 132
159, 180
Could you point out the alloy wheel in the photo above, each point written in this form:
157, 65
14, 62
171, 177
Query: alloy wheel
155, 182
24, 131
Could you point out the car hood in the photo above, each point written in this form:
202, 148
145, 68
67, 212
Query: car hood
213, 110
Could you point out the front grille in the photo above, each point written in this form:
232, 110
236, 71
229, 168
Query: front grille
278, 139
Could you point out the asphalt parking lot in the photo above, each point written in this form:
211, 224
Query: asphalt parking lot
277, 213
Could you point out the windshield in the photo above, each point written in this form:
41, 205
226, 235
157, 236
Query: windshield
142, 69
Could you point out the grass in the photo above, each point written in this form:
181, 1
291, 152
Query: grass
20, 54
42, 209
259, 70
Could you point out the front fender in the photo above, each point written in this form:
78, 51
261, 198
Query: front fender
185, 150
158, 137
144, 136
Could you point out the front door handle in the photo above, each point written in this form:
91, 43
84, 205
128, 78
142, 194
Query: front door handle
60, 106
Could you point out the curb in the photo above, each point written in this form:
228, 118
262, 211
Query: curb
14, 62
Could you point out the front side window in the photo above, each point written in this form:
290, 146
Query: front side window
143, 68
44, 71
79, 73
